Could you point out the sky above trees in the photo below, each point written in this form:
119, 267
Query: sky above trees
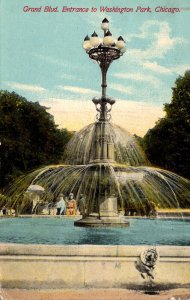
42, 59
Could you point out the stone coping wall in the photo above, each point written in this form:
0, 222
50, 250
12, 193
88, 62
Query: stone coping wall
87, 266
91, 250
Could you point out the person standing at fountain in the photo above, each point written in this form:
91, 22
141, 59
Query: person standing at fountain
4, 211
72, 207
82, 204
61, 206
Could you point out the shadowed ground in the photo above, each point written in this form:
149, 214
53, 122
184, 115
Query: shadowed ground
92, 294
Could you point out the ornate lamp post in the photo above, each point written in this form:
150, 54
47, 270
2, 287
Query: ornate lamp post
104, 51
104, 210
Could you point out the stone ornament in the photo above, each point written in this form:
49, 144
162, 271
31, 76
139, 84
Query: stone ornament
147, 262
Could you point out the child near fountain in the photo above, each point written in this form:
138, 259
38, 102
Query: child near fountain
72, 207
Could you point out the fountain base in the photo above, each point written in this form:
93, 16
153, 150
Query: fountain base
96, 221
108, 216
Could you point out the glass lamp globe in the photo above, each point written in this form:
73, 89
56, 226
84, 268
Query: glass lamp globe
94, 40
120, 44
105, 24
101, 40
86, 44
108, 40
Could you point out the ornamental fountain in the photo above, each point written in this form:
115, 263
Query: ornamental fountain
103, 163
104, 52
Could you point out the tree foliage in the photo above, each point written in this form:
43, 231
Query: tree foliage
168, 143
28, 135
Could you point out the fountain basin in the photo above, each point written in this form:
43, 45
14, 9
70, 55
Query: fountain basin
75, 257
90, 266
60, 230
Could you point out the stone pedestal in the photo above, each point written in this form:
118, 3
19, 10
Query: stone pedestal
96, 221
108, 216
108, 208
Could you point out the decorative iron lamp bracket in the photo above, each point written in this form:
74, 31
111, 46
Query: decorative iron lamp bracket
104, 53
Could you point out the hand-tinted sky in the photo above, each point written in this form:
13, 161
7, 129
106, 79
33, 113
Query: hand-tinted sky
42, 58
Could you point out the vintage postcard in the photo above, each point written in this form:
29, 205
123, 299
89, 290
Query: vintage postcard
94, 144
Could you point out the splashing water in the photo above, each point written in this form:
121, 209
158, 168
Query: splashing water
128, 178
80, 149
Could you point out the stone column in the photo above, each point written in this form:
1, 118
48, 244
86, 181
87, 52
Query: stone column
103, 145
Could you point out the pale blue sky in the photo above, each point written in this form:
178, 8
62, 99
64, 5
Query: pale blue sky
42, 57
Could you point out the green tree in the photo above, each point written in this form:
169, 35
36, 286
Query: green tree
28, 135
168, 143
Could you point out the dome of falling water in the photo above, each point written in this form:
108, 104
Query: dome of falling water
104, 163
133, 185
80, 149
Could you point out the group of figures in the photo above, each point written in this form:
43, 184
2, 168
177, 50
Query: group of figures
7, 211
70, 206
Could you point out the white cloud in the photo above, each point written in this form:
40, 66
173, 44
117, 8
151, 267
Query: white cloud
26, 87
121, 88
160, 40
155, 67
180, 69
139, 77
76, 89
